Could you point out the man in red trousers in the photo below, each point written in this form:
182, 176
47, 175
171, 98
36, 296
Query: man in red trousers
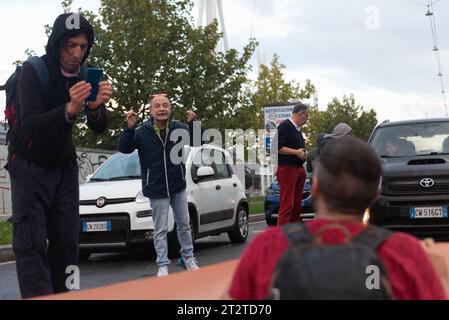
291, 174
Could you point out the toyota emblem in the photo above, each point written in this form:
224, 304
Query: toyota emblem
101, 202
427, 183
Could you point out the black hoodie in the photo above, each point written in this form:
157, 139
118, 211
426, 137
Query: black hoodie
46, 135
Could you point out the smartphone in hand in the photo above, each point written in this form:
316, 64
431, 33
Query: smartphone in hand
93, 77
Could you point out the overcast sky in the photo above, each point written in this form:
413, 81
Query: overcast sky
380, 50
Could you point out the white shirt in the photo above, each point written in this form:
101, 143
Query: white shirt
296, 126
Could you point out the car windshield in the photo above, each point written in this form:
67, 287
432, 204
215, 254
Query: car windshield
414, 139
119, 167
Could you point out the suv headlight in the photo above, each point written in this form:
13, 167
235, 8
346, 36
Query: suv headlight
307, 184
366, 216
140, 198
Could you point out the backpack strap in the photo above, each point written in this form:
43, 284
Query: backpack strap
297, 233
41, 69
373, 237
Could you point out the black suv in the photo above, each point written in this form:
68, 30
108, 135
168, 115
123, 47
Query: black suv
415, 180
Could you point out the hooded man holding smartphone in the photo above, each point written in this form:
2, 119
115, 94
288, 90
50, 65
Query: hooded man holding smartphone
42, 159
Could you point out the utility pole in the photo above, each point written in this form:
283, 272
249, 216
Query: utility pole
214, 11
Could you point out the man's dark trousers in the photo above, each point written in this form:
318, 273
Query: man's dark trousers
45, 205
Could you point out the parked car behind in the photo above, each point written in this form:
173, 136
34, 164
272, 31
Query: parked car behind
415, 181
115, 214
272, 202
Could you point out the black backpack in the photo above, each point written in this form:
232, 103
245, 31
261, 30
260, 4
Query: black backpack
11, 112
312, 270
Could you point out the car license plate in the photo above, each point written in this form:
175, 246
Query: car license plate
97, 226
428, 212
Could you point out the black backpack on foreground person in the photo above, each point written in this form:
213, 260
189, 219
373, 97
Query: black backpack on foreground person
336, 255
324, 269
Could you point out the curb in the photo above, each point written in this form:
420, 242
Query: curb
257, 217
6, 254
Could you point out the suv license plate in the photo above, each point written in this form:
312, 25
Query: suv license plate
428, 212
97, 226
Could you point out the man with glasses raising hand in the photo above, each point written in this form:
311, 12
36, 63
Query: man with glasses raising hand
163, 180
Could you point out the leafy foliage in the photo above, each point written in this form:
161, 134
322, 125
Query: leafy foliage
271, 87
148, 47
361, 121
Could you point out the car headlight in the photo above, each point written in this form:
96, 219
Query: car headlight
366, 216
307, 184
140, 198
271, 192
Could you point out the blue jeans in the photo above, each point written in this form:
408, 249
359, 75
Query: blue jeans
178, 202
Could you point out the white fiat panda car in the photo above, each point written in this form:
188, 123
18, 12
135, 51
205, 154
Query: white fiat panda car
114, 213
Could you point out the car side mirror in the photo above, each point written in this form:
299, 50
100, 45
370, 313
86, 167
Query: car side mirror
203, 172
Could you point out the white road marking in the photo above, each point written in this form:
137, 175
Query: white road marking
6, 263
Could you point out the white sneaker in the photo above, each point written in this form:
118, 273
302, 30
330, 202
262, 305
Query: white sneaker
163, 271
191, 264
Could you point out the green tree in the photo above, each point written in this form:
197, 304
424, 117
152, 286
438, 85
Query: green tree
271, 87
361, 121
148, 47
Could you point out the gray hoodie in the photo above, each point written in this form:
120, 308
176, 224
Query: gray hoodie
340, 130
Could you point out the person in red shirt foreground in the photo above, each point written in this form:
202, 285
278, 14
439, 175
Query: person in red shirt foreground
345, 183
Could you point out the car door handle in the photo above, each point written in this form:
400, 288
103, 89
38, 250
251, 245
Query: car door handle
218, 187
235, 185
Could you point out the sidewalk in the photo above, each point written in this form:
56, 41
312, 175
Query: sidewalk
257, 217
6, 253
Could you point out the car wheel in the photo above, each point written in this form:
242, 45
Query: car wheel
271, 221
241, 227
83, 256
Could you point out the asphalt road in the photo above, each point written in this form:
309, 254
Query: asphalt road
105, 269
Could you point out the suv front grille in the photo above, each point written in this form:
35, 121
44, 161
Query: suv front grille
417, 203
411, 185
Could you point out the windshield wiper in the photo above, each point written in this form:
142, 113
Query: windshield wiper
433, 154
124, 178
98, 179
385, 156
